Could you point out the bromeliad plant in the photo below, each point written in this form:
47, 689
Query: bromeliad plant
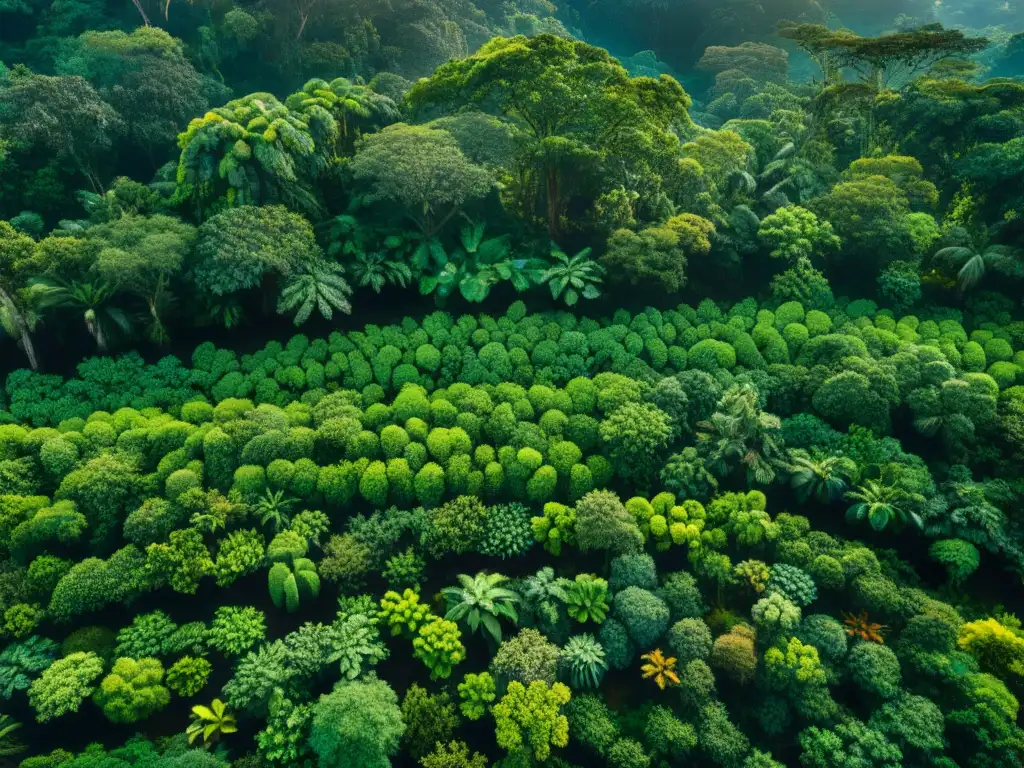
584, 658
210, 722
481, 600
587, 599
860, 626
571, 277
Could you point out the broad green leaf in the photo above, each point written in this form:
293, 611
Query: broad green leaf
474, 289
437, 252
421, 257
879, 517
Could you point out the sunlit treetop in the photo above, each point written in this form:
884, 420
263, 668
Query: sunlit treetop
355, 108
553, 85
577, 109
887, 61
252, 151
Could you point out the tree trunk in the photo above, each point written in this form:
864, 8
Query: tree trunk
553, 201
21, 329
95, 329
25, 342
145, 18
159, 330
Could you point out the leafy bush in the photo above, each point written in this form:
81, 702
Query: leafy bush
64, 685
132, 691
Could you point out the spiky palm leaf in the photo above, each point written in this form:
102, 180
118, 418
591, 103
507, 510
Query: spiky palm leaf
94, 301
742, 433
225, 310
321, 287
544, 585
9, 744
880, 505
742, 182
860, 626
273, 509
585, 658
352, 100
480, 601
956, 430
209, 521
661, 668
825, 479
18, 322
787, 150
376, 270
973, 264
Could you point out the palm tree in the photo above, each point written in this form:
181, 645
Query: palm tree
210, 722
210, 519
943, 420
660, 667
973, 263
94, 301
273, 508
19, 322
573, 276
824, 479
377, 270
320, 287
356, 106
740, 431
353, 106
481, 600
880, 505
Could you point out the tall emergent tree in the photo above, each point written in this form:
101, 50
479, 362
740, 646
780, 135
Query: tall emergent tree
254, 151
63, 116
883, 62
421, 169
581, 115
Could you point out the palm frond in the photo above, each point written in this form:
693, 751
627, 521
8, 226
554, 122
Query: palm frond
971, 272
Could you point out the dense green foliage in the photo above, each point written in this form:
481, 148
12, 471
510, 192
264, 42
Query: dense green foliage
759, 522
367, 478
